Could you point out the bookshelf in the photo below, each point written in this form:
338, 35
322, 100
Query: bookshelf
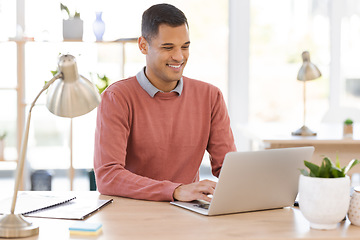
10, 164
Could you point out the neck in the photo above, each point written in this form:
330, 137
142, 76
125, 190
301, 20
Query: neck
162, 85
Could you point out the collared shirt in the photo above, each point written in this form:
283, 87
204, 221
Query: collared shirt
146, 149
151, 89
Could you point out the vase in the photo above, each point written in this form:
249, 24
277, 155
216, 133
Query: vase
73, 29
99, 27
348, 130
324, 202
354, 209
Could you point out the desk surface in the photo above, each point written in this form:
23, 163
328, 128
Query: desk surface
329, 140
136, 219
281, 133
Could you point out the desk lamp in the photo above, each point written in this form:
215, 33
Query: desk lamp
307, 72
71, 96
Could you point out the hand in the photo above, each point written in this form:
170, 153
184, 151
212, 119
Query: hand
195, 191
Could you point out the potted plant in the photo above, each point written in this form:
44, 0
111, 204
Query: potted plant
2, 145
104, 82
324, 193
348, 127
73, 26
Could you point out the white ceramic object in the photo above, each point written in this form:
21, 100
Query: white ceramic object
73, 29
324, 202
348, 130
99, 27
354, 209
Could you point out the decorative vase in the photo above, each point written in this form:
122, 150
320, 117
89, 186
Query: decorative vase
324, 202
348, 130
354, 209
2, 148
73, 29
99, 27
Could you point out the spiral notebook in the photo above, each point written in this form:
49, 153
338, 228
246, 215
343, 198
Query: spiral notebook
77, 209
60, 205
33, 201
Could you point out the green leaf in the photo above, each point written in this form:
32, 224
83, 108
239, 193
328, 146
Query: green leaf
63, 7
337, 161
351, 164
334, 173
329, 166
348, 121
314, 169
323, 170
104, 83
328, 169
304, 172
54, 72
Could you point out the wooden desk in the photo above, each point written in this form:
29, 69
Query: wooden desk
135, 219
329, 140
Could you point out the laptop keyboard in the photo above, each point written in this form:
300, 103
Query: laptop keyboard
204, 205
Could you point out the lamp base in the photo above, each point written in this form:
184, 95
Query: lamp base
303, 131
16, 226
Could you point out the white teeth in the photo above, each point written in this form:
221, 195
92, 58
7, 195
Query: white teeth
174, 66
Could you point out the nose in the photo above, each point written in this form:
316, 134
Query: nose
178, 55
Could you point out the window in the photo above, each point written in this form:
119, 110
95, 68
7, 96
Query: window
49, 135
7, 19
8, 98
350, 38
279, 32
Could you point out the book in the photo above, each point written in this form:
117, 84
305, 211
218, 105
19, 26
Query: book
85, 228
33, 201
78, 209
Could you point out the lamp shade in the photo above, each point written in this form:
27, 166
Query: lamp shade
308, 70
72, 95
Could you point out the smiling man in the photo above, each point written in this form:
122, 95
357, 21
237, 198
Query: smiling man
153, 129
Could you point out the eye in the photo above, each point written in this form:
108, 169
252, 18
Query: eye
185, 47
167, 48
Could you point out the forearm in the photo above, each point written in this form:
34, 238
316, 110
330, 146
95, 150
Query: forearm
117, 181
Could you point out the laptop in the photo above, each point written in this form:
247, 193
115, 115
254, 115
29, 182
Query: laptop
253, 181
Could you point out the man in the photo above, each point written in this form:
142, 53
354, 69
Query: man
153, 128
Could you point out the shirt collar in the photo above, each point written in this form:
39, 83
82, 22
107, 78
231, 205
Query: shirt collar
151, 89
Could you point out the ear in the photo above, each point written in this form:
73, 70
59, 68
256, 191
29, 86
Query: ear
143, 45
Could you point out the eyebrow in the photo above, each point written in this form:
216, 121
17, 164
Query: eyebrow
171, 44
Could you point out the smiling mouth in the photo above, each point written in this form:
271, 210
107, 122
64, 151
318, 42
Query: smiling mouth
175, 66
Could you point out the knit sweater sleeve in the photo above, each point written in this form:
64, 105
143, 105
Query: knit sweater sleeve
221, 140
111, 137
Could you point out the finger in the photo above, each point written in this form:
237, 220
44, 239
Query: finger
205, 189
209, 183
204, 197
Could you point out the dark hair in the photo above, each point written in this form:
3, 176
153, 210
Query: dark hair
161, 14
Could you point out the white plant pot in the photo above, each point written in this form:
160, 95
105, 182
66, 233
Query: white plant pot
324, 202
73, 29
2, 148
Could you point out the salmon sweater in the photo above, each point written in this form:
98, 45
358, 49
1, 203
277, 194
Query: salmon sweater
146, 147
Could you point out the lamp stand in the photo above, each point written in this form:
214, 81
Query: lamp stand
15, 225
304, 130
71, 168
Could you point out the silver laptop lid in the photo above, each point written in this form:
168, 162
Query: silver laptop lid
259, 180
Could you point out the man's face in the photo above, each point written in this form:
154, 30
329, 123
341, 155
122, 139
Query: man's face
166, 56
